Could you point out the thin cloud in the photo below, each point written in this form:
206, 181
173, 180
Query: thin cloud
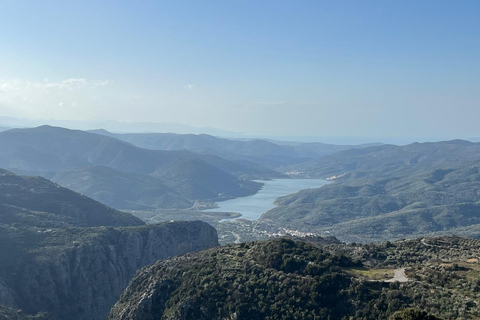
68, 84
101, 83
59, 99
275, 103
268, 103
189, 87
6, 86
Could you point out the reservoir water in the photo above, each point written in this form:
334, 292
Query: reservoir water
252, 207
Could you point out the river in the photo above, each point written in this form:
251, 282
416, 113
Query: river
252, 207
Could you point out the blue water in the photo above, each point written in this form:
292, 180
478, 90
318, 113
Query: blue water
252, 207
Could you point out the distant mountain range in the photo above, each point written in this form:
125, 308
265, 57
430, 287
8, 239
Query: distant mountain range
112, 125
391, 160
145, 171
263, 152
67, 156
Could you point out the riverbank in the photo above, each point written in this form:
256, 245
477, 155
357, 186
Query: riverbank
254, 206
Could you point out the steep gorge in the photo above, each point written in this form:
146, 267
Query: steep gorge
79, 273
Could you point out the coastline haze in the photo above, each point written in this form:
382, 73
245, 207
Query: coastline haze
320, 69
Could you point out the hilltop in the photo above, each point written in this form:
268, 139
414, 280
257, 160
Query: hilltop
267, 153
291, 279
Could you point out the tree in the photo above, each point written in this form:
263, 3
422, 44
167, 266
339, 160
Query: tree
412, 314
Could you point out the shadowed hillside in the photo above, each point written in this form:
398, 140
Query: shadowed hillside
46, 150
121, 189
70, 256
36, 201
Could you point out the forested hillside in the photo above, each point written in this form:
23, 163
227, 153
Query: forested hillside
68, 157
390, 192
288, 279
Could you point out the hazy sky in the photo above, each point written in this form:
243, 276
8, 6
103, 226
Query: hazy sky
338, 68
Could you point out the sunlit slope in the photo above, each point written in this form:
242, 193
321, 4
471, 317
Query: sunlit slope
390, 192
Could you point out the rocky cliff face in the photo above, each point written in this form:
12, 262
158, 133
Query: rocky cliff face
80, 273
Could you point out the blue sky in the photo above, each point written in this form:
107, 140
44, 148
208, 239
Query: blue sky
316, 68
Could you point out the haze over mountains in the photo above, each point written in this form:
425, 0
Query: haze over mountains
48, 150
387, 192
166, 175
379, 192
148, 128
239, 160
117, 126
120, 189
267, 153
390, 160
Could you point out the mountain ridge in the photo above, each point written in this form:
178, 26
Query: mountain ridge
37, 201
46, 150
389, 192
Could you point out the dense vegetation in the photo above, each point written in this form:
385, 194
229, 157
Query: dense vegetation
390, 192
412, 314
287, 279
272, 280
